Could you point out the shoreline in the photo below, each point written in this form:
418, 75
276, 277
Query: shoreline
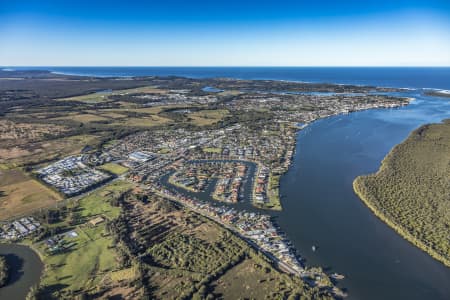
38, 254
393, 225
303, 81
398, 229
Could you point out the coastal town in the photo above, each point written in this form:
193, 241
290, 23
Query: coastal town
221, 155
229, 150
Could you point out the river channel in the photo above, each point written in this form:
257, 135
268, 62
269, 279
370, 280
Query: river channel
25, 271
321, 209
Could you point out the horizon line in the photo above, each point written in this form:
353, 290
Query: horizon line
219, 66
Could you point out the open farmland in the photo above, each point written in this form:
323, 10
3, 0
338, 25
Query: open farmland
207, 117
83, 118
87, 257
20, 194
36, 152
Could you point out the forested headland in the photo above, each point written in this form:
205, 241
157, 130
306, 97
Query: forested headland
411, 190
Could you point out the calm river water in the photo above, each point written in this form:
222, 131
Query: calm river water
25, 271
320, 208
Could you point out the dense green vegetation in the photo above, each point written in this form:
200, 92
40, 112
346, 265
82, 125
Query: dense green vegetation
411, 191
181, 255
4, 271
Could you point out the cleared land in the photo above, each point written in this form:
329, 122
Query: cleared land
90, 98
145, 121
207, 117
89, 257
273, 192
411, 191
83, 118
35, 152
103, 96
114, 168
239, 282
15, 132
20, 194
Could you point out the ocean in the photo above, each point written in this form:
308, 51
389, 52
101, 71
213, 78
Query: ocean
404, 77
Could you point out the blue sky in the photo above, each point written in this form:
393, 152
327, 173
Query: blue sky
225, 33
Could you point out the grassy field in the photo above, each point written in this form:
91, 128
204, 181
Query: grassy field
82, 265
83, 118
97, 203
147, 121
144, 89
101, 97
212, 150
274, 192
126, 116
207, 117
114, 168
240, 282
46, 150
90, 256
410, 192
20, 194
89, 98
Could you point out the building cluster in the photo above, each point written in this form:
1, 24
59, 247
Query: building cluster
261, 185
18, 229
307, 107
59, 242
150, 170
170, 97
149, 153
96, 158
171, 142
193, 177
71, 176
140, 156
260, 229
230, 187
196, 175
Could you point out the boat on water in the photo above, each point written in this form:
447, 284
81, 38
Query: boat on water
314, 248
337, 276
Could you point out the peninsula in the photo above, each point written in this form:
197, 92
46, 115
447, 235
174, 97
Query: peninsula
411, 190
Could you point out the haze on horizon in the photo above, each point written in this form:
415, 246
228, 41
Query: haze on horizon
225, 33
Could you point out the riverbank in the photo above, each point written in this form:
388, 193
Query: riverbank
25, 270
406, 235
4, 271
409, 189
256, 230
